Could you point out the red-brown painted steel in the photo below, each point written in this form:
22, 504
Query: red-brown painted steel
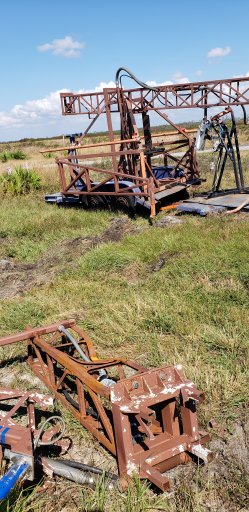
147, 418
206, 94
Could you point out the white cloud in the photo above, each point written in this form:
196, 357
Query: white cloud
179, 78
103, 85
219, 52
199, 72
153, 83
66, 47
32, 111
36, 111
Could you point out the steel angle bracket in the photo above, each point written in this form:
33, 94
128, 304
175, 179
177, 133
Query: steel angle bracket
155, 423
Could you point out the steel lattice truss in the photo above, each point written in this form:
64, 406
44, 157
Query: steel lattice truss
231, 91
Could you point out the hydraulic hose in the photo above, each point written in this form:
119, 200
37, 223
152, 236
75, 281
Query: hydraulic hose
38, 441
71, 473
102, 373
86, 467
131, 75
70, 337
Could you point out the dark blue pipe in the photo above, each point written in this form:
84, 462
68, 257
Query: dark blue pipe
9, 480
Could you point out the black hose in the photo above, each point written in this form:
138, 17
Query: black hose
86, 467
75, 404
143, 84
131, 75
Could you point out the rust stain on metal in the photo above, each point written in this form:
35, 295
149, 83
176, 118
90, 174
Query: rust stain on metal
146, 418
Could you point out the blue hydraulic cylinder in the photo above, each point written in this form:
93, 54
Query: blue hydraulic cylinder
9, 480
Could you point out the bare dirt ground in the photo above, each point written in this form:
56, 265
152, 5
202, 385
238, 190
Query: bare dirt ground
17, 278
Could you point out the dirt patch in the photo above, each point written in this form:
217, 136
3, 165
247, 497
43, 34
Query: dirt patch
17, 278
168, 220
158, 264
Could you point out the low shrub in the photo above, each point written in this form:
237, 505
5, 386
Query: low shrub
6, 155
20, 181
18, 154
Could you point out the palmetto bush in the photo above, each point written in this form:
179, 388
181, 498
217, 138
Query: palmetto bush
18, 154
20, 181
6, 155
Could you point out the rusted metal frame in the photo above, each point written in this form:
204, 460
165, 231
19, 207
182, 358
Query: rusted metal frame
145, 394
50, 366
88, 422
178, 89
165, 134
144, 183
151, 173
161, 448
89, 127
80, 193
239, 94
110, 174
198, 87
15, 436
102, 416
135, 143
118, 190
186, 165
175, 142
120, 174
57, 385
151, 190
72, 366
81, 397
86, 146
205, 93
42, 364
61, 175
133, 120
91, 124
99, 155
88, 342
164, 448
95, 187
110, 128
87, 104
36, 331
190, 140
21, 401
183, 100
75, 177
168, 120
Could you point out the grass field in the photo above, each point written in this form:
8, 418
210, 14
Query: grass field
171, 294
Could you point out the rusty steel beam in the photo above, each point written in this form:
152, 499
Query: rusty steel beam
146, 418
206, 94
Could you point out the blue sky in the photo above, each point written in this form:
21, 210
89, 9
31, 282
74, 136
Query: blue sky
51, 45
